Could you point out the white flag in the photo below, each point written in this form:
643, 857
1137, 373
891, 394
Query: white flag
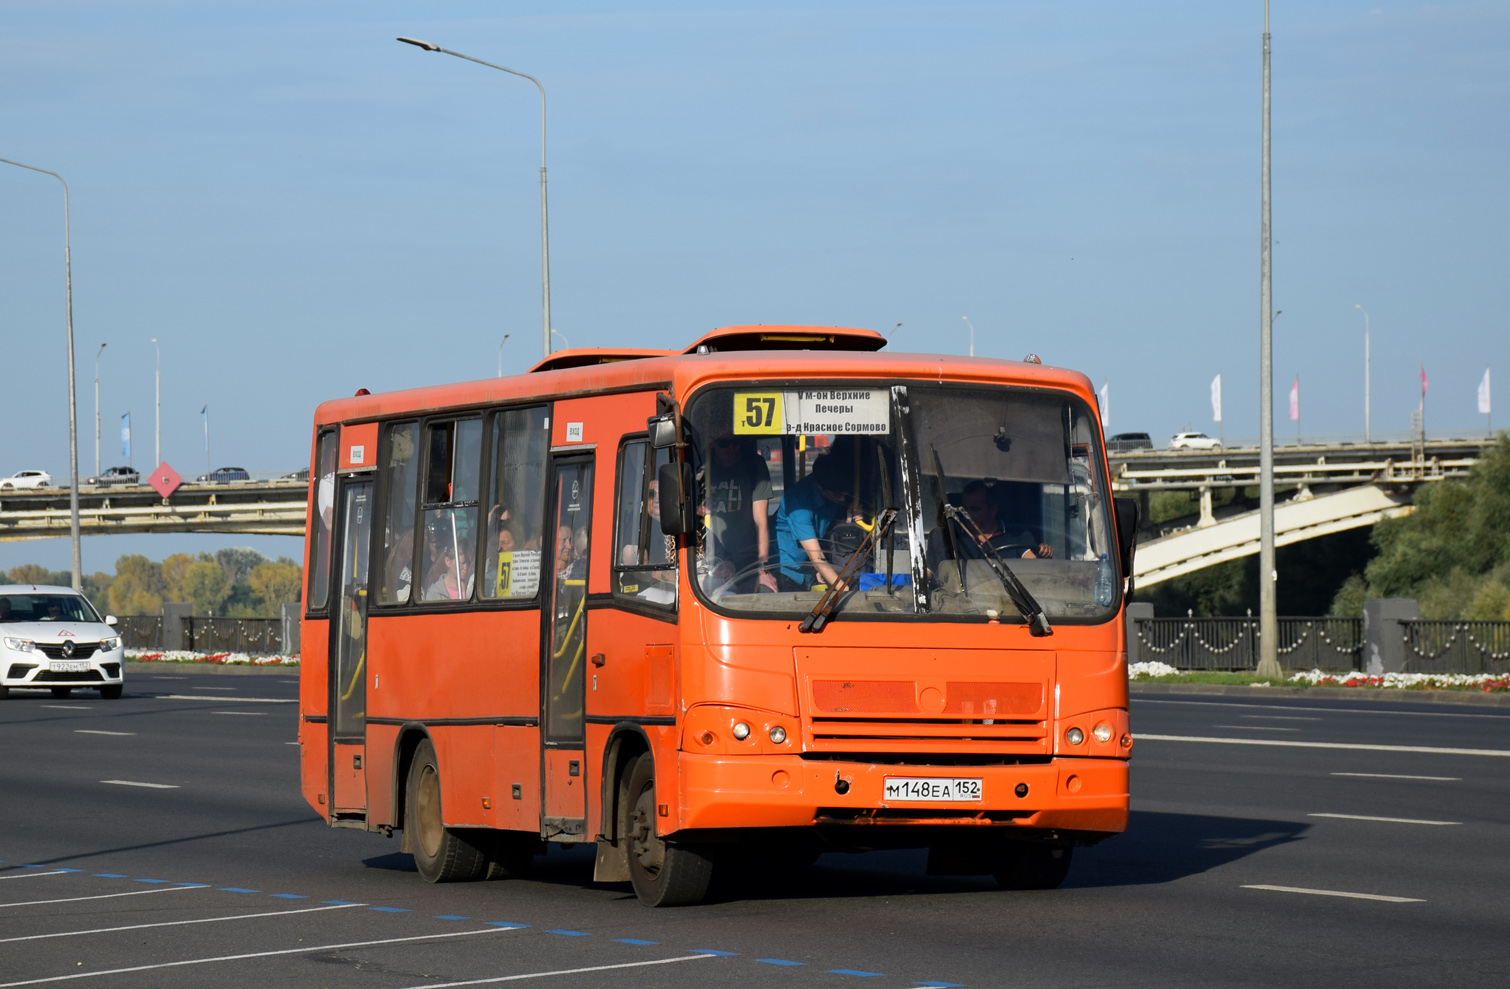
1106, 409
1484, 394
1216, 399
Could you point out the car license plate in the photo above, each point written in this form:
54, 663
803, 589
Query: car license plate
931, 788
69, 667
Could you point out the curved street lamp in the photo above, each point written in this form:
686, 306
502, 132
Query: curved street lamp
73, 407
545, 240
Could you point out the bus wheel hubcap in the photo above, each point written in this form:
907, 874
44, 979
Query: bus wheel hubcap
427, 809
647, 849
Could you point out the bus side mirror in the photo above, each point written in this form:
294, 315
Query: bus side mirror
674, 501
1127, 534
662, 432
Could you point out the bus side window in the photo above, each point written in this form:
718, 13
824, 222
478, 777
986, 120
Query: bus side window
519, 447
325, 507
645, 560
453, 451
398, 462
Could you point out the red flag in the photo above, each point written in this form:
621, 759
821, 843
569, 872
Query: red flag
1295, 400
1423, 387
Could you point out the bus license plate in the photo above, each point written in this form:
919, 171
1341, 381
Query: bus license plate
931, 788
69, 667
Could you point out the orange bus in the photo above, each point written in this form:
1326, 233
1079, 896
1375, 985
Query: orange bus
775, 594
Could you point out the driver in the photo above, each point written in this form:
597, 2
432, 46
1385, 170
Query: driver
977, 502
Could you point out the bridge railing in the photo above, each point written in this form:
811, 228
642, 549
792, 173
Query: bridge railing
1447, 646
1231, 644
214, 635
141, 631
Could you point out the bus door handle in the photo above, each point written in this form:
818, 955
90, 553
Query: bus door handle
598, 659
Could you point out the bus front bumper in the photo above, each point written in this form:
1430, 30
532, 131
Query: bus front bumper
1067, 794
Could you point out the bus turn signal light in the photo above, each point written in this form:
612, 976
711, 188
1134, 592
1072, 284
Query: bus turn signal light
1074, 736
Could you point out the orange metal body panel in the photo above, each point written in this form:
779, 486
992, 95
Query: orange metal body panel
358, 446
349, 776
313, 745
465, 755
314, 698
516, 762
477, 664
382, 740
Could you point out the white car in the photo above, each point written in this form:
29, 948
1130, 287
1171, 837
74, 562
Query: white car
26, 479
51, 638
1193, 441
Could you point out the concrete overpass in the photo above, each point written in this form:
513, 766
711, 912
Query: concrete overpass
265, 508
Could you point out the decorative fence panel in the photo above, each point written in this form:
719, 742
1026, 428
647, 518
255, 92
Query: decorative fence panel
141, 631
215, 635
1232, 643
1456, 646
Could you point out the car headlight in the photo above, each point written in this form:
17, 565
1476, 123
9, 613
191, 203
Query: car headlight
20, 645
110, 645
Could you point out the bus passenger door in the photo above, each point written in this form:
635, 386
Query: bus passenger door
348, 655
564, 652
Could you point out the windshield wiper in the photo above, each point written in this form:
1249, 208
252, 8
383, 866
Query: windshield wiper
1022, 598
824, 609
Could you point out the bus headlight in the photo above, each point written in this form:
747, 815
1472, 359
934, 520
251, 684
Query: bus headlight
1102, 732
741, 731
778, 735
1074, 736
19, 645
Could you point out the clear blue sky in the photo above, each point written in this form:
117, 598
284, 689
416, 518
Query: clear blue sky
298, 206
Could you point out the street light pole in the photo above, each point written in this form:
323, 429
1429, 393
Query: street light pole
73, 405
545, 240
500, 353
1268, 621
157, 451
1366, 374
97, 354
972, 333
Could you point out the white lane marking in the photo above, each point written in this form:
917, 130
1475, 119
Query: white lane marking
214, 688
1277, 717
229, 700
1337, 892
290, 743
151, 786
1386, 820
1256, 727
246, 714
96, 731
255, 954
179, 923
30, 875
1361, 709
66, 707
560, 971
1352, 746
102, 896
1397, 776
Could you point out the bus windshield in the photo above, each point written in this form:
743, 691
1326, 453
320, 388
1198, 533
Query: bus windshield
795, 482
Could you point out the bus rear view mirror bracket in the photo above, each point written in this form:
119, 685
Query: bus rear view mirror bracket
1128, 511
662, 432
675, 501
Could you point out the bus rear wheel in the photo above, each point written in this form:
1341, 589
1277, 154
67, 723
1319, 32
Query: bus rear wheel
442, 854
1032, 865
663, 874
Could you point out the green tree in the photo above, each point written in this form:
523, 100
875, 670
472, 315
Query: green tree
137, 588
276, 584
29, 573
205, 584
238, 561
174, 568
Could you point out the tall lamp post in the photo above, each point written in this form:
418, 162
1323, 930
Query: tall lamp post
545, 240
1366, 374
157, 448
972, 333
73, 406
1268, 621
97, 354
500, 353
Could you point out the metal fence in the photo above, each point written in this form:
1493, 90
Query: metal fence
141, 631
1232, 643
257, 635
1445, 646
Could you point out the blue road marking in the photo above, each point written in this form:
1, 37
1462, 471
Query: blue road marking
571, 933
154, 881
287, 896
633, 940
110, 875
33, 865
778, 961
69, 870
223, 889
450, 916
340, 903
711, 951
390, 909
505, 924
855, 971
193, 885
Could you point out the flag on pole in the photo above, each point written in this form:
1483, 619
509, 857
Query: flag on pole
1423, 387
1295, 400
1484, 394
1106, 408
1216, 399
126, 436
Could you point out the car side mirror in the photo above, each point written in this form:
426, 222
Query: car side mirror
111, 620
674, 501
1128, 512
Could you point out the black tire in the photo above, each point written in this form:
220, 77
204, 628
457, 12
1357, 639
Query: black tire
4, 692
510, 854
111, 691
61, 691
1032, 865
663, 873
442, 854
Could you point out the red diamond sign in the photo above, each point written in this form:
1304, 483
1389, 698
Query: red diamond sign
165, 479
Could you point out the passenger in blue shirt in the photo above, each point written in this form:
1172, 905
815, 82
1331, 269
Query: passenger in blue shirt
808, 510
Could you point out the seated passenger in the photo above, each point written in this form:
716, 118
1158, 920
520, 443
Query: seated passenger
455, 580
737, 491
809, 509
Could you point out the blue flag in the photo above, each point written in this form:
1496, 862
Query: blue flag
126, 436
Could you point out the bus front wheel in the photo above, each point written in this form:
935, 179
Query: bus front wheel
442, 854
663, 874
1032, 865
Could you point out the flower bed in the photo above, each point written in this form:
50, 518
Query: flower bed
220, 658
1486, 682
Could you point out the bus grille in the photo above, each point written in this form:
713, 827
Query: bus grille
892, 716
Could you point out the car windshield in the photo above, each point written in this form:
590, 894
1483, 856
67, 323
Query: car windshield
46, 608
794, 484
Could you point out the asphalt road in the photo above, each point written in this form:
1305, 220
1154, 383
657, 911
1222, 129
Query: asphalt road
218, 874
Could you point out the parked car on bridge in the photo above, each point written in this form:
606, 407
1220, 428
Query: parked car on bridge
1193, 441
51, 638
26, 479
223, 475
116, 475
1127, 442
302, 474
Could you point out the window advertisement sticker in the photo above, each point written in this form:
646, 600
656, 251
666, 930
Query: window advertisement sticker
834, 411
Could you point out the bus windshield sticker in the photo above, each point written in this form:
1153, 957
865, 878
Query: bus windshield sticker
831, 411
